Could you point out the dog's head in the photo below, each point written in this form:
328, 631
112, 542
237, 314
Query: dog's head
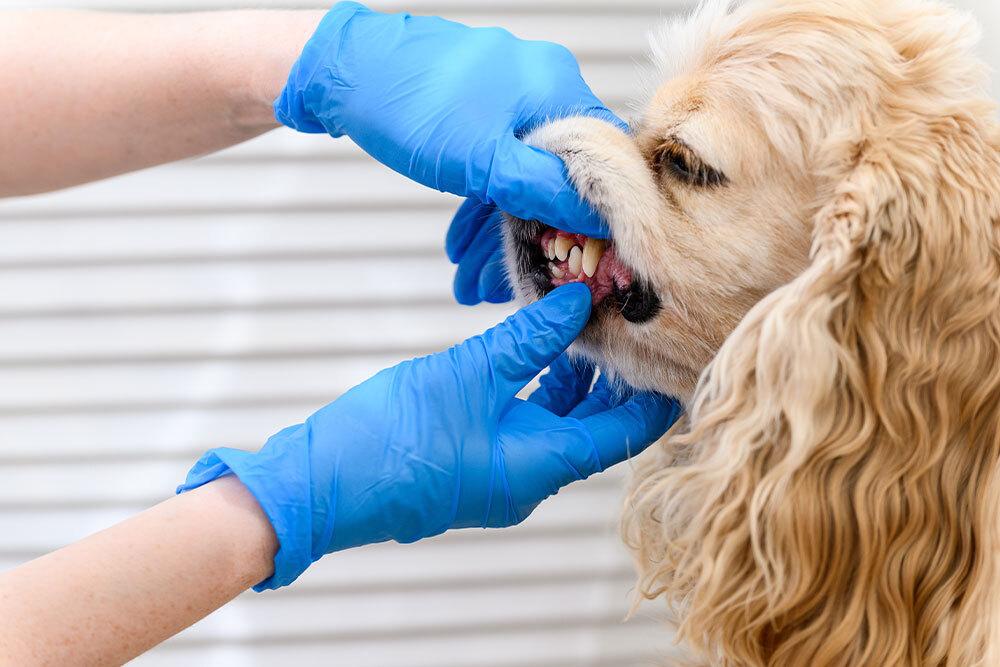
706, 217
711, 198
806, 249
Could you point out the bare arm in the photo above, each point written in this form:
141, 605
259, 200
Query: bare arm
116, 594
87, 95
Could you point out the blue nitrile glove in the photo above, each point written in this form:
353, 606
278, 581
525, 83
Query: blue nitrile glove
446, 105
441, 442
474, 243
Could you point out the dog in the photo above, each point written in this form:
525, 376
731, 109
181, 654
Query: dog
805, 250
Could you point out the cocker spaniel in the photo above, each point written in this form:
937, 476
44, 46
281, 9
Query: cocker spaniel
806, 250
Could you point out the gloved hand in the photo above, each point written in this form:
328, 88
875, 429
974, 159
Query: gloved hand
441, 442
475, 245
446, 105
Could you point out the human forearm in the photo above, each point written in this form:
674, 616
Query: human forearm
90, 95
113, 595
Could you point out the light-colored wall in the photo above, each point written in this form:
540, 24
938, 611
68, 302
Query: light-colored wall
987, 13
148, 317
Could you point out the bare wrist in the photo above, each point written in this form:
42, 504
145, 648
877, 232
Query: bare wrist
285, 35
252, 542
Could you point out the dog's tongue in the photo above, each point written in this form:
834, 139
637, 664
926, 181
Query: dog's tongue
609, 273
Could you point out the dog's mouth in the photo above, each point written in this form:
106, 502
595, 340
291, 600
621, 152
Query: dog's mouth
550, 258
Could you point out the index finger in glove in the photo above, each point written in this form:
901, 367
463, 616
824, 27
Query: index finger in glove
532, 184
528, 341
474, 260
564, 386
629, 429
469, 219
494, 285
601, 398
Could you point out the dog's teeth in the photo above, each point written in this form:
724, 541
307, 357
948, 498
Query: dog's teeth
575, 260
592, 251
550, 249
556, 271
563, 245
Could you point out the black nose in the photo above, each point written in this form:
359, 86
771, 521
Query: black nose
638, 303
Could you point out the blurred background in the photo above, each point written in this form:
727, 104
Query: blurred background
148, 317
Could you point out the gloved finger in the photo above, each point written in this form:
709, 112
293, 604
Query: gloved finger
602, 112
530, 339
468, 220
628, 429
568, 97
564, 386
588, 105
466, 285
532, 184
601, 398
494, 286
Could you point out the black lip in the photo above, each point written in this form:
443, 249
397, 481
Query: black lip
637, 304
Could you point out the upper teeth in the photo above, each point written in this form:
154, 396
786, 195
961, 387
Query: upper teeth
592, 251
579, 261
563, 246
550, 249
575, 260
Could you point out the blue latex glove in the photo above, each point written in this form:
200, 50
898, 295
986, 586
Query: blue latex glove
441, 442
474, 243
446, 105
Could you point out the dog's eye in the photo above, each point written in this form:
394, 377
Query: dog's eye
677, 159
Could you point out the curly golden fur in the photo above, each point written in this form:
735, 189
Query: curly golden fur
833, 497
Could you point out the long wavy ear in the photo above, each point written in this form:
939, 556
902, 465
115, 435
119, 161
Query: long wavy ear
835, 499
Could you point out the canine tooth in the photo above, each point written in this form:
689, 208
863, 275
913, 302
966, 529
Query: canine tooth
563, 245
592, 251
556, 271
575, 260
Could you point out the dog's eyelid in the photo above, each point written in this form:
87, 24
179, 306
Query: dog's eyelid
675, 156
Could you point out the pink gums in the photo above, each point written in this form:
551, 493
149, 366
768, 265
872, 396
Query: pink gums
610, 271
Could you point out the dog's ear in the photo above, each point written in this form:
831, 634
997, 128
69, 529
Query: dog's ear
835, 499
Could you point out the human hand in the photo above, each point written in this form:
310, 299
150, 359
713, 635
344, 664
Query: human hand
446, 105
474, 243
442, 442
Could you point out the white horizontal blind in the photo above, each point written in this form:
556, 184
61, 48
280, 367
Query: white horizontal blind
146, 318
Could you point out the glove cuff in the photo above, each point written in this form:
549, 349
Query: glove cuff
292, 522
293, 108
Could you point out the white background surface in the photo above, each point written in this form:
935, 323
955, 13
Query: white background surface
148, 317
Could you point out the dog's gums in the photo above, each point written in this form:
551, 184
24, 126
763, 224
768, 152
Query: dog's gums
553, 258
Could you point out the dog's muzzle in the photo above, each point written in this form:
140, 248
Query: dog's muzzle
550, 258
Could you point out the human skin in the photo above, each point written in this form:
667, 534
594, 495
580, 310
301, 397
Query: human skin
91, 95
88, 95
116, 594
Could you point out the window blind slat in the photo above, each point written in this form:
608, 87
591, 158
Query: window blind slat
239, 335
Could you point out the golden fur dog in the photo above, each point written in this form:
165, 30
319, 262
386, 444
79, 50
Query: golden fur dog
806, 250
